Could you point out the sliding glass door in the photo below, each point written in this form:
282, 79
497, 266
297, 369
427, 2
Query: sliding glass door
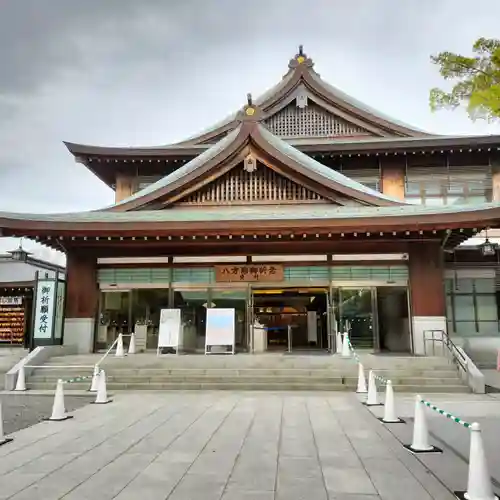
354, 309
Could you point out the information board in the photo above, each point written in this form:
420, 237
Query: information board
12, 320
220, 328
170, 329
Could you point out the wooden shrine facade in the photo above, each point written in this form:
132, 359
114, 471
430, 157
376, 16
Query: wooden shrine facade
303, 171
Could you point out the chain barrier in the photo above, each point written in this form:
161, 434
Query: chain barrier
381, 379
445, 413
77, 379
354, 353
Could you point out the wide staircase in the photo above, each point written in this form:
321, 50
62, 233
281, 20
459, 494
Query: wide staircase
269, 372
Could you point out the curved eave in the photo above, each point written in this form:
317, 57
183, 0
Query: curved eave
88, 150
257, 220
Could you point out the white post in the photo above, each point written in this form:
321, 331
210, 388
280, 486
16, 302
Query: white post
361, 380
131, 346
21, 380
119, 347
346, 351
3, 439
338, 347
372, 398
420, 442
479, 483
390, 416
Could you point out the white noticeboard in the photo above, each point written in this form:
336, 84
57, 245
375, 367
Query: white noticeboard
44, 309
170, 328
220, 328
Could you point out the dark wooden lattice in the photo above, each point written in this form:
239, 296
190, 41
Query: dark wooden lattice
239, 187
310, 121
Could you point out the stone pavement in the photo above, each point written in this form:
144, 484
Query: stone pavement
23, 410
229, 446
451, 467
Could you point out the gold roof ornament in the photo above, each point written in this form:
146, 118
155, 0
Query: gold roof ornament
300, 56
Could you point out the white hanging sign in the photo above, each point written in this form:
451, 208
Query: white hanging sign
220, 328
44, 309
170, 328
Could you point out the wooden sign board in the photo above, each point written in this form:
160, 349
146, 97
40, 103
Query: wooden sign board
249, 273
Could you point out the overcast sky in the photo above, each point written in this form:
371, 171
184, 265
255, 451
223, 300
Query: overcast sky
149, 72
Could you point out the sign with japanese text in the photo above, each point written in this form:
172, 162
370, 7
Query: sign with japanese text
59, 316
11, 301
249, 273
44, 309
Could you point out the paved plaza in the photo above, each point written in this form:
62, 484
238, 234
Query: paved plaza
230, 446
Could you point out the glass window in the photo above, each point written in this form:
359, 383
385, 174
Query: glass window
193, 305
488, 328
465, 328
486, 308
114, 317
464, 308
484, 285
464, 285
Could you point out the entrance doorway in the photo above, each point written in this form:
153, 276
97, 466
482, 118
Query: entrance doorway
293, 318
393, 319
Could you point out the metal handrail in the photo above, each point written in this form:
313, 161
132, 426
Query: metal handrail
107, 352
447, 343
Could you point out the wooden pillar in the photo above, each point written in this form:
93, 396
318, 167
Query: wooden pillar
82, 299
393, 177
428, 300
495, 175
125, 187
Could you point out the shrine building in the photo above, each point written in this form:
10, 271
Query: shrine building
305, 208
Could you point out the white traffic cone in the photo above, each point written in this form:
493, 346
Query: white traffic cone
102, 393
390, 416
95, 380
361, 380
372, 398
346, 351
479, 483
120, 353
131, 346
3, 439
58, 409
21, 380
420, 442
339, 343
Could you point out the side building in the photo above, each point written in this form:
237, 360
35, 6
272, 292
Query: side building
18, 275
305, 209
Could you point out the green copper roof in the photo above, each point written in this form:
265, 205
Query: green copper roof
246, 213
186, 169
317, 167
361, 105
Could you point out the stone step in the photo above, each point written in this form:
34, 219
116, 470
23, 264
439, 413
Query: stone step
422, 381
229, 372
244, 386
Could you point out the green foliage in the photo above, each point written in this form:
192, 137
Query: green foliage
476, 81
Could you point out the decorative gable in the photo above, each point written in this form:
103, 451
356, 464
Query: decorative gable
251, 182
306, 119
